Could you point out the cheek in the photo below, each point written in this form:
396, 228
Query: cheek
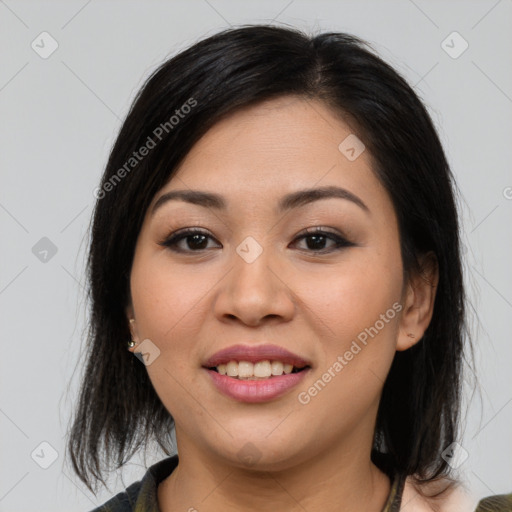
166, 301
169, 309
351, 297
356, 307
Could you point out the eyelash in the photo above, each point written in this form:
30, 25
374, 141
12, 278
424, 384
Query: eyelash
341, 242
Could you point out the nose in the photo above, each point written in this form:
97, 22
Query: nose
255, 292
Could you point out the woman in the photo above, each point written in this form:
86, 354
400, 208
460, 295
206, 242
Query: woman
277, 240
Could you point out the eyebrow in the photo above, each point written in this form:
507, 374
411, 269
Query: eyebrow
287, 202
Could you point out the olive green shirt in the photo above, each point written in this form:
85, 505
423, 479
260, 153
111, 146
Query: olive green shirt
141, 496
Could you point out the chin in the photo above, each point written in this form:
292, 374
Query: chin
258, 454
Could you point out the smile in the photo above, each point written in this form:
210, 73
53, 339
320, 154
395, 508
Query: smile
256, 389
256, 371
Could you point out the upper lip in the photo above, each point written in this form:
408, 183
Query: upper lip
255, 353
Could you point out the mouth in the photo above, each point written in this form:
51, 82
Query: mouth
253, 389
256, 373
259, 370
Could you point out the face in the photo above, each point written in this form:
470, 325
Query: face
253, 276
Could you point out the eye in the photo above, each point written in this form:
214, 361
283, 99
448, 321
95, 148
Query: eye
318, 237
196, 240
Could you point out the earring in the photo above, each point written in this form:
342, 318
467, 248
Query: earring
131, 343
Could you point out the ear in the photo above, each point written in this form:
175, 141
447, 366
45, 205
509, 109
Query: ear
418, 304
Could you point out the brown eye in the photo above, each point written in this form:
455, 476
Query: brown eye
318, 237
196, 241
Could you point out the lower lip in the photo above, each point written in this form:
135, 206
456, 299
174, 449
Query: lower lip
255, 391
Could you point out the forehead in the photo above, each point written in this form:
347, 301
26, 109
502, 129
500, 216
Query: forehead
275, 147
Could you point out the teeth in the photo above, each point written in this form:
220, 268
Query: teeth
232, 369
262, 369
277, 368
254, 371
245, 369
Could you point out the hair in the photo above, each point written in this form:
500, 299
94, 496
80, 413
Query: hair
118, 410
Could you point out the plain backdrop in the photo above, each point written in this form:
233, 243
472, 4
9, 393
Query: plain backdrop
60, 114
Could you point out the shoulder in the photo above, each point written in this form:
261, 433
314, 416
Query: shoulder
122, 502
443, 495
142, 494
498, 503
449, 496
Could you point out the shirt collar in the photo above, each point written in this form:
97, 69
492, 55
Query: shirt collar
147, 497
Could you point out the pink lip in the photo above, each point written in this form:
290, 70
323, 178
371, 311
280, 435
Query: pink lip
254, 391
255, 353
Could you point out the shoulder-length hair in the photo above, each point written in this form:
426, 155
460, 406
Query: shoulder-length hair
118, 410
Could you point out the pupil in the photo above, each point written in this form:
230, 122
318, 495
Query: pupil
196, 237
317, 245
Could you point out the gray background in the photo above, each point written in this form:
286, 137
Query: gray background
59, 118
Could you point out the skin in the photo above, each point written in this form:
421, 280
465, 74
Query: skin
312, 456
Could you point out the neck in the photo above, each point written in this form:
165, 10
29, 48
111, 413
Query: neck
340, 476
